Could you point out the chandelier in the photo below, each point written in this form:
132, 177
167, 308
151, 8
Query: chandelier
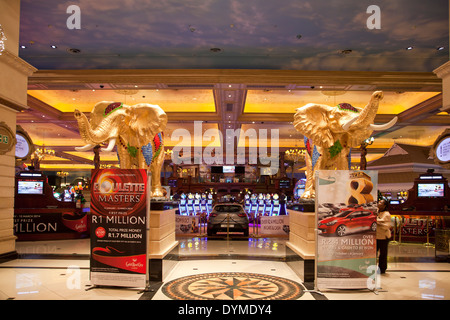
168, 154
295, 155
42, 152
62, 174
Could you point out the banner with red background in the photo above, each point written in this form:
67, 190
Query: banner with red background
118, 227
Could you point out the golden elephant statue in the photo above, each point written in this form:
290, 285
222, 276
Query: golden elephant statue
330, 133
136, 130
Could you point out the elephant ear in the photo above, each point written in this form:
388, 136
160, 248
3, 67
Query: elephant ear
312, 121
147, 119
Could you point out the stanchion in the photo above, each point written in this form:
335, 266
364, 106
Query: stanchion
428, 244
394, 242
400, 231
255, 225
202, 222
147, 226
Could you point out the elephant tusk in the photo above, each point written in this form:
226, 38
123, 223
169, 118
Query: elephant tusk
347, 125
110, 146
381, 127
84, 148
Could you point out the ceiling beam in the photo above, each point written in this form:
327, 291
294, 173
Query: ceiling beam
415, 114
406, 81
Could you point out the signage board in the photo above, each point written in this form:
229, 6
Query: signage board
119, 227
346, 236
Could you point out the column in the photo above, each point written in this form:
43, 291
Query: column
443, 72
14, 73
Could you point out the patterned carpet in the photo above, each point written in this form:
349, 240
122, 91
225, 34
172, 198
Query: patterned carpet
232, 286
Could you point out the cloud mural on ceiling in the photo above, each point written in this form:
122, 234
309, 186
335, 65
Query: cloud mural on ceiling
251, 34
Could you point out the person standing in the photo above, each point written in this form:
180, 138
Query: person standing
383, 234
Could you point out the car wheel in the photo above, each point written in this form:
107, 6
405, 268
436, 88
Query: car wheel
341, 230
373, 227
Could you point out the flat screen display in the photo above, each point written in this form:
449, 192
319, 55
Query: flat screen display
430, 190
30, 187
239, 169
216, 170
228, 169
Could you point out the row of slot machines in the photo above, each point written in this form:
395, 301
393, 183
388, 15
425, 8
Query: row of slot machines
264, 205
194, 204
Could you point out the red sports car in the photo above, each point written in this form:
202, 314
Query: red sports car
349, 220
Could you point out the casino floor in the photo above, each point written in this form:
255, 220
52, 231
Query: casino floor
247, 269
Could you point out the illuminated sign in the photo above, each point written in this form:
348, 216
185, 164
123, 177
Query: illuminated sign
441, 149
7, 138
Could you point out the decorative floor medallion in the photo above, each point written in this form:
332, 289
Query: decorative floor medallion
232, 286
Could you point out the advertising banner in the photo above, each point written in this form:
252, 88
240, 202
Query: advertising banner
119, 227
186, 224
276, 225
346, 211
51, 222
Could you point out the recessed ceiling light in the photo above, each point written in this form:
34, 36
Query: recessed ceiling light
23, 47
53, 47
410, 48
440, 48
73, 50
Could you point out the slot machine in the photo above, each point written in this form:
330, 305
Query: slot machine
190, 205
209, 203
261, 205
203, 206
182, 205
276, 205
197, 199
269, 205
253, 204
247, 203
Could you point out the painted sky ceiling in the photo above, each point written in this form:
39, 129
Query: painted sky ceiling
251, 34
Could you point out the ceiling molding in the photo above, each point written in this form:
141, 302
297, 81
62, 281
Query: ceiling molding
417, 81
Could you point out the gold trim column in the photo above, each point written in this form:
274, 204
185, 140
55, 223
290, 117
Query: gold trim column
14, 73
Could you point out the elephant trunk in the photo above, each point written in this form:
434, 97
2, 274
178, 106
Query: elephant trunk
367, 115
103, 132
83, 123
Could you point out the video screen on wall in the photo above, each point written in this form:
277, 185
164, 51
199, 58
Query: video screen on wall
430, 190
30, 187
228, 169
216, 169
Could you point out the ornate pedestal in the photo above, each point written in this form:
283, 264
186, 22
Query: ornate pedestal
163, 247
300, 251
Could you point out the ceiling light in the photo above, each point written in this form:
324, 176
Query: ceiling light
440, 48
410, 48
73, 50
53, 47
23, 47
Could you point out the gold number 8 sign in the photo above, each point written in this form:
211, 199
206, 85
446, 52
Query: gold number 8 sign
360, 187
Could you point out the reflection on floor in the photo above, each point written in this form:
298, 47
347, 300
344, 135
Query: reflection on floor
241, 269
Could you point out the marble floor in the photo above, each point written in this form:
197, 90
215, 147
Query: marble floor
59, 270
